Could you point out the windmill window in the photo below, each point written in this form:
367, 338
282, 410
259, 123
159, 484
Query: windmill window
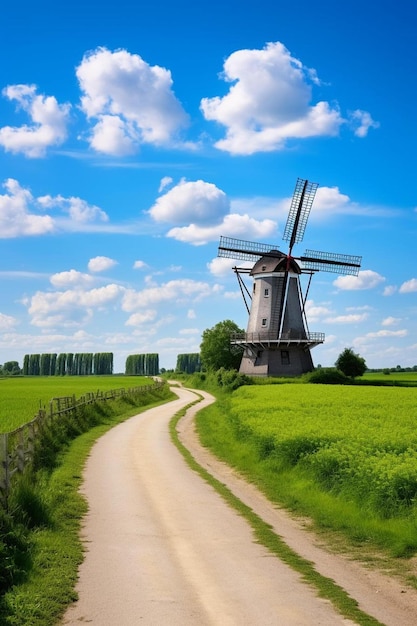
263, 268
285, 357
266, 293
264, 321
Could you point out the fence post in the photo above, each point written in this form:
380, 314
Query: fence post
5, 480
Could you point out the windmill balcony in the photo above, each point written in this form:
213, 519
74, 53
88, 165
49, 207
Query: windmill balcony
267, 339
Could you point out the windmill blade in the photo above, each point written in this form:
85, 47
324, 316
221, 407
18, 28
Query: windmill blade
331, 262
301, 203
241, 250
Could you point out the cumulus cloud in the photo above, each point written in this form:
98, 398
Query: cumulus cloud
390, 321
7, 322
389, 290
362, 121
137, 319
17, 218
269, 102
71, 278
130, 101
352, 318
80, 211
315, 312
70, 307
409, 286
367, 279
173, 290
140, 265
101, 263
233, 225
220, 266
198, 202
387, 333
48, 125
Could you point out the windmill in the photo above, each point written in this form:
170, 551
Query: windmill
277, 341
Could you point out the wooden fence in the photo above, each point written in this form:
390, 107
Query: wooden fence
17, 447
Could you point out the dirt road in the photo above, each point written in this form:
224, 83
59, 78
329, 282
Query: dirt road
163, 548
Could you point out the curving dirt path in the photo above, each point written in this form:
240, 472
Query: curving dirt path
162, 547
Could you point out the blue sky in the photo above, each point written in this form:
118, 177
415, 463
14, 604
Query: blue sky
133, 135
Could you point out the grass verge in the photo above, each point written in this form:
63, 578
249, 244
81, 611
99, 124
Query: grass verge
326, 587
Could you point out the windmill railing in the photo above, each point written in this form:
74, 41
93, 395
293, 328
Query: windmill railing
269, 339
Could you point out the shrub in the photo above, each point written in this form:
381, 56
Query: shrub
327, 376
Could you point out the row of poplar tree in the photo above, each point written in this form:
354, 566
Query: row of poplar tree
142, 364
188, 363
87, 363
68, 363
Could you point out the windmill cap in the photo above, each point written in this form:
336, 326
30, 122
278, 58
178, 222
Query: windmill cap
276, 263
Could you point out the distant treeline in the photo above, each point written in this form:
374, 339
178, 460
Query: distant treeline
142, 364
68, 364
188, 363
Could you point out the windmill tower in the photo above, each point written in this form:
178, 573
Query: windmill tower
277, 341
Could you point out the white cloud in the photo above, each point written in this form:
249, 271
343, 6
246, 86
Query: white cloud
387, 333
48, 122
73, 306
7, 322
409, 286
174, 290
315, 312
131, 101
16, 220
197, 202
366, 279
221, 266
390, 321
165, 182
191, 314
269, 102
137, 319
362, 122
233, 225
101, 263
389, 290
71, 278
347, 319
140, 265
78, 209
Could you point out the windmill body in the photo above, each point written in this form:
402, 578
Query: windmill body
277, 341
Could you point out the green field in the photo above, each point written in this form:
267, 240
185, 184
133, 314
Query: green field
21, 398
344, 455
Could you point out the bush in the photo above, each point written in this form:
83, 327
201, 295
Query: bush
327, 376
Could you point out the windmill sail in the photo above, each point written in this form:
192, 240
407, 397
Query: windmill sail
301, 204
242, 250
331, 262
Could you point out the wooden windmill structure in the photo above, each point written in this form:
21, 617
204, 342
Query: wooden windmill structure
277, 341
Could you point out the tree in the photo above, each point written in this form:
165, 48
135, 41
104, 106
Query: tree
350, 363
216, 351
11, 368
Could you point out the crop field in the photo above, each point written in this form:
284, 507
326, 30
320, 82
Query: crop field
356, 442
21, 398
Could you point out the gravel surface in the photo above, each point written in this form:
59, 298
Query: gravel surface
163, 548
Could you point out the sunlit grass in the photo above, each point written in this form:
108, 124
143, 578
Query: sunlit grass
21, 398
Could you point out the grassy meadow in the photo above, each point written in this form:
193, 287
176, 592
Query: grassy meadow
346, 456
22, 397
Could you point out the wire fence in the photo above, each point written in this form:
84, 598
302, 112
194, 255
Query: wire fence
17, 447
